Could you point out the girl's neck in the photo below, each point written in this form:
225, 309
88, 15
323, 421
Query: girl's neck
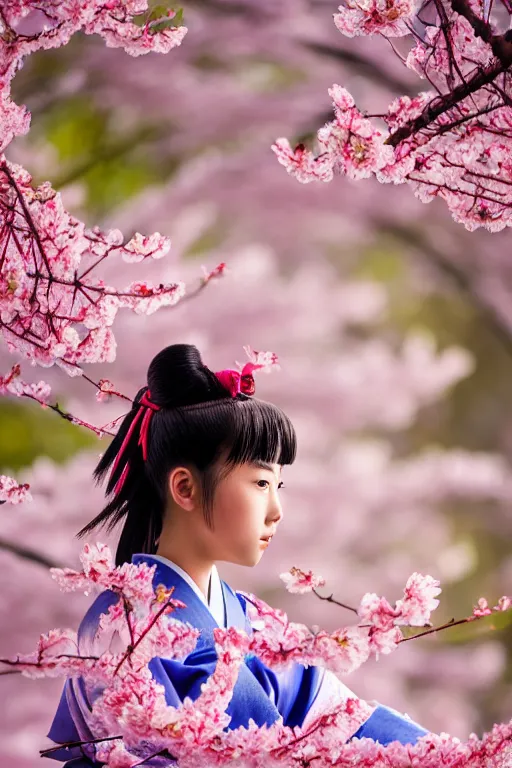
198, 570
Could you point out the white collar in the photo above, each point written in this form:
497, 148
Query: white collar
216, 604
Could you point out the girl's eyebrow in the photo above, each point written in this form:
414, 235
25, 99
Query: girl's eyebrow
264, 465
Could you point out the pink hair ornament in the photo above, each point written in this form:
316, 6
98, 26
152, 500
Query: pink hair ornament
243, 381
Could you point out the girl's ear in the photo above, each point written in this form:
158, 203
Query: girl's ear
182, 487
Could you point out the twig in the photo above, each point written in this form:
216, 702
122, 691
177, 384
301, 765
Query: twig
331, 599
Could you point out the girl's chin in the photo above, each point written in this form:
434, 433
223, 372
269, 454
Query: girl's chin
248, 558
253, 558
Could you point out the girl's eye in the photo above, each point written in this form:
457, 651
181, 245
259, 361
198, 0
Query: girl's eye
281, 485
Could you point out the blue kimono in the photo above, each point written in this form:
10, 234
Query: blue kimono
260, 693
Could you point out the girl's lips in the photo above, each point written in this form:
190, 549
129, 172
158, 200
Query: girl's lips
264, 543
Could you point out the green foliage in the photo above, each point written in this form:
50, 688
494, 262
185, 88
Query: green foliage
265, 75
209, 239
256, 74
27, 431
109, 164
156, 16
62, 122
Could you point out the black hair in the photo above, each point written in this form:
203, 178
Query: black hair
198, 424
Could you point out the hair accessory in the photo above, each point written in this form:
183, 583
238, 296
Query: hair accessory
144, 427
146, 410
238, 381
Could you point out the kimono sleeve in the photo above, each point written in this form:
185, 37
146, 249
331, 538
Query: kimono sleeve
386, 725
303, 694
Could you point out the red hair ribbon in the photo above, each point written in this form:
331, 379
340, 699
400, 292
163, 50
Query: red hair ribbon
146, 410
237, 381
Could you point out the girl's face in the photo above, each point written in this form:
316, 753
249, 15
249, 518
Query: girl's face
246, 509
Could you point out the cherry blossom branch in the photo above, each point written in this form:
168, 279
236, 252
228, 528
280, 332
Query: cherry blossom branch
447, 625
12, 384
330, 599
441, 104
47, 296
462, 121
382, 616
134, 645
40, 664
70, 744
136, 704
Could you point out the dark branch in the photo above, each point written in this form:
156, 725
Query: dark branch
441, 104
28, 554
501, 46
458, 276
364, 66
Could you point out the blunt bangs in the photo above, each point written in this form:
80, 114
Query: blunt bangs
238, 430
260, 431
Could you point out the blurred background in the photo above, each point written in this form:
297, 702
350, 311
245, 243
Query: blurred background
393, 326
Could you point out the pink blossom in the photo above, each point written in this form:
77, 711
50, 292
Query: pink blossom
11, 384
384, 640
344, 650
105, 391
144, 298
300, 582
419, 600
349, 144
264, 361
219, 271
377, 611
12, 492
139, 247
134, 581
376, 17
482, 608
302, 163
504, 604
45, 661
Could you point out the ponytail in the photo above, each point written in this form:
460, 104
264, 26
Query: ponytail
134, 495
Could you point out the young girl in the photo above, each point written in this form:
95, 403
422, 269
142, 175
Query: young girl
195, 472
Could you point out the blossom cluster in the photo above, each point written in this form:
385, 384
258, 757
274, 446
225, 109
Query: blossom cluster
13, 492
452, 141
133, 723
53, 306
345, 650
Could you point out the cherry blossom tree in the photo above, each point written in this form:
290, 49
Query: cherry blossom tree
451, 141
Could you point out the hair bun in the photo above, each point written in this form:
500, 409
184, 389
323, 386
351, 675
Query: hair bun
177, 376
